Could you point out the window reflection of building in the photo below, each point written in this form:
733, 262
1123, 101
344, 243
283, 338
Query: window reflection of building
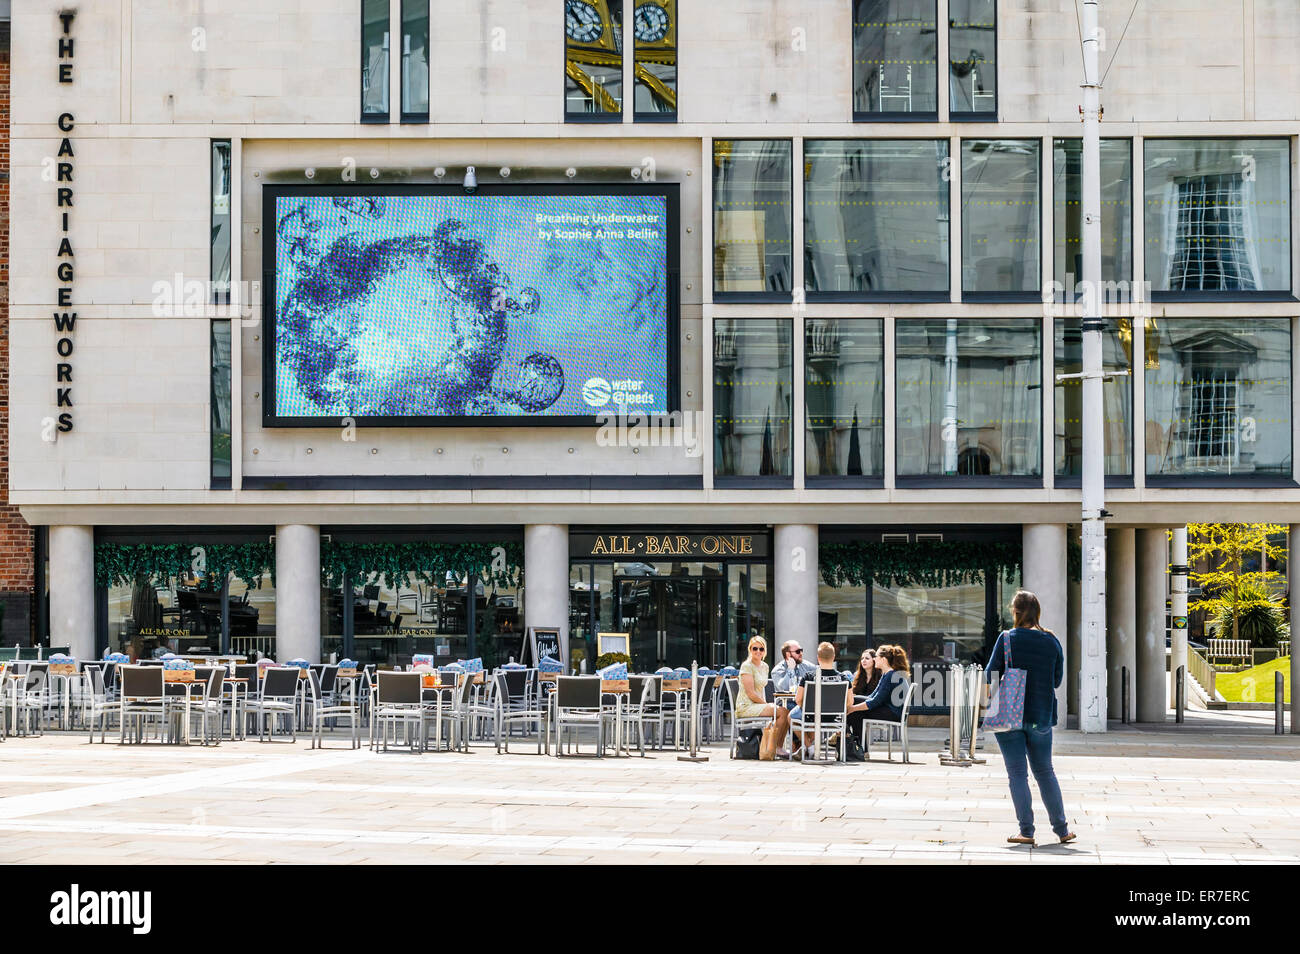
844, 397
593, 58
969, 397
752, 397
752, 230
1218, 215
972, 54
1117, 397
1000, 220
876, 216
1218, 397
655, 59
374, 59
895, 58
415, 59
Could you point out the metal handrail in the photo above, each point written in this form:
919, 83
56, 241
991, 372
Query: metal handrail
1201, 670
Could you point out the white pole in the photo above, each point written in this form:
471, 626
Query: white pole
1178, 612
950, 398
1092, 682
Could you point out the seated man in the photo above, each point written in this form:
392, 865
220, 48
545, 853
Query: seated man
826, 660
787, 674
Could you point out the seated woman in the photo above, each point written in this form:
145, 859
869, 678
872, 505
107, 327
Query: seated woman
885, 703
750, 701
867, 677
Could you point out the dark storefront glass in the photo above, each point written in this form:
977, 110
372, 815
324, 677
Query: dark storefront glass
593, 59
415, 60
654, 26
374, 60
220, 405
753, 397
219, 245
1218, 216
844, 396
1116, 214
895, 59
973, 59
1218, 397
876, 217
1000, 218
1117, 397
969, 397
751, 217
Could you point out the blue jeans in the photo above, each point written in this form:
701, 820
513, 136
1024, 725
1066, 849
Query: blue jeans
1031, 748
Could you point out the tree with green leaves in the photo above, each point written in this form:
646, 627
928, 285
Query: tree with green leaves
1242, 601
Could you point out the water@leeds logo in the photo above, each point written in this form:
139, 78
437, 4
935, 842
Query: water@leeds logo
77, 907
596, 392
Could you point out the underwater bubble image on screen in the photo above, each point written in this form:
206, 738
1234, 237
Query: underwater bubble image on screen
453, 305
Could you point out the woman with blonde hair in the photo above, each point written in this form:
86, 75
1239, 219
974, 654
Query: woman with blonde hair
750, 701
1029, 647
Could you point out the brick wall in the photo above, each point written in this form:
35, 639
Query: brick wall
17, 543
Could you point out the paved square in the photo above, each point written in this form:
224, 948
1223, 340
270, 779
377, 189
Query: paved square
1212, 792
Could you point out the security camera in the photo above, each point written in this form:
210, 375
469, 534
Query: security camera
471, 180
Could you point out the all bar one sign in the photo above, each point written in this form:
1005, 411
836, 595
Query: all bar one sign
64, 322
639, 546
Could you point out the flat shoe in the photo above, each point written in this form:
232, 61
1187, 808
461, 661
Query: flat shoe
1021, 840
1068, 837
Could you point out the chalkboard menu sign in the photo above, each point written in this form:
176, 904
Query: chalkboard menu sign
546, 642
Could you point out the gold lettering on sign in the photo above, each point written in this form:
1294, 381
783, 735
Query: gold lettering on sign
599, 548
684, 545
747, 545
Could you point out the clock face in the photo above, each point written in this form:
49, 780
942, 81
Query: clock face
650, 23
582, 21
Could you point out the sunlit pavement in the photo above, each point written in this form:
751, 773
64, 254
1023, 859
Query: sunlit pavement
1217, 790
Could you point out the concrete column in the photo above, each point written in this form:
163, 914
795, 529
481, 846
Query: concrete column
1293, 580
1121, 619
72, 589
1150, 688
794, 579
297, 592
546, 579
1045, 575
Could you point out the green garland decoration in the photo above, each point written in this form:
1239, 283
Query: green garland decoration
931, 564
428, 561
121, 564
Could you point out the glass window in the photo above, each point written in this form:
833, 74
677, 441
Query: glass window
844, 397
895, 59
415, 60
752, 397
654, 26
842, 617
593, 59
1117, 397
876, 216
969, 398
1116, 215
1218, 215
220, 402
999, 217
751, 216
252, 617
942, 624
219, 246
1218, 396
374, 60
973, 56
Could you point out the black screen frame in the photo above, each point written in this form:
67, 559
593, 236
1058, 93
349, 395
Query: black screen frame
670, 191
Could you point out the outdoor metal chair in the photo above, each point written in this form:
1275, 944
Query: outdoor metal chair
32, 699
577, 705
740, 723
96, 705
211, 704
278, 699
398, 702
512, 706
324, 709
824, 719
143, 698
890, 727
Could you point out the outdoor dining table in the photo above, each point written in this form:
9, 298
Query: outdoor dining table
549, 718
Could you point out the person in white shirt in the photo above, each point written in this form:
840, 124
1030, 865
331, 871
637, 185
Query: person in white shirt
787, 674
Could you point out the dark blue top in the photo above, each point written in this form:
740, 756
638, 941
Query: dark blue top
888, 695
1039, 653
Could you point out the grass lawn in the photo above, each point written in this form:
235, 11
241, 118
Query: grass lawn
1255, 685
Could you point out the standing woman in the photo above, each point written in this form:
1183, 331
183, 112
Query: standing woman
1038, 652
751, 703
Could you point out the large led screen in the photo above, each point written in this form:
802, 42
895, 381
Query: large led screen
429, 305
